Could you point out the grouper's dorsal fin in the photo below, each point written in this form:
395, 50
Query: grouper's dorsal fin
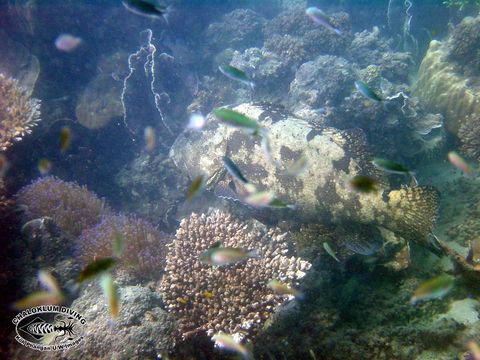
414, 211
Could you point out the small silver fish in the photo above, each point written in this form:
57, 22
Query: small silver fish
228, 342
283, 289
330, 251
298, 167
233, 169
110, 292
320, 18
457, 161
150, 138
435, 288
234, 73
147, 8
219, 256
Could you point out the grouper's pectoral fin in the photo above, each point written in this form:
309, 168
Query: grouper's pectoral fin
413, 212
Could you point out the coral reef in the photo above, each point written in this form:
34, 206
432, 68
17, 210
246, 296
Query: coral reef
72, 207
18, 112
241, 301
239, 29
100, 100
469, 135
144, 245
464, 44
272, 75
322, 82
444, 87
295, 39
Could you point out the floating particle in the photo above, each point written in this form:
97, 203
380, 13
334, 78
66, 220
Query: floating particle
196, 122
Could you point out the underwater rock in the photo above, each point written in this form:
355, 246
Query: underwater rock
464, 312
271, 74
235, 298
469, 135
322, 82
296, 39
100, 101
464, 46
142, 331
322, 191
239, 29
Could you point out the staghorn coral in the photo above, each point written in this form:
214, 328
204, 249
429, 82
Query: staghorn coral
144, 252
18, 112
241, 302
71, 206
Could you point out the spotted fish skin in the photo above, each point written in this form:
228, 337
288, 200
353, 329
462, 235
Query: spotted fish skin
323, 190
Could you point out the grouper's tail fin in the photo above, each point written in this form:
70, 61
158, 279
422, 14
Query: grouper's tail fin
414, 211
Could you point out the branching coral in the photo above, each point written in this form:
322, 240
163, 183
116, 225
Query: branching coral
71, 206
144, 245
18, 112
234, 298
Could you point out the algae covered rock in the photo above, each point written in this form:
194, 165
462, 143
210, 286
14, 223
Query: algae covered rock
239, 29
323, 81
